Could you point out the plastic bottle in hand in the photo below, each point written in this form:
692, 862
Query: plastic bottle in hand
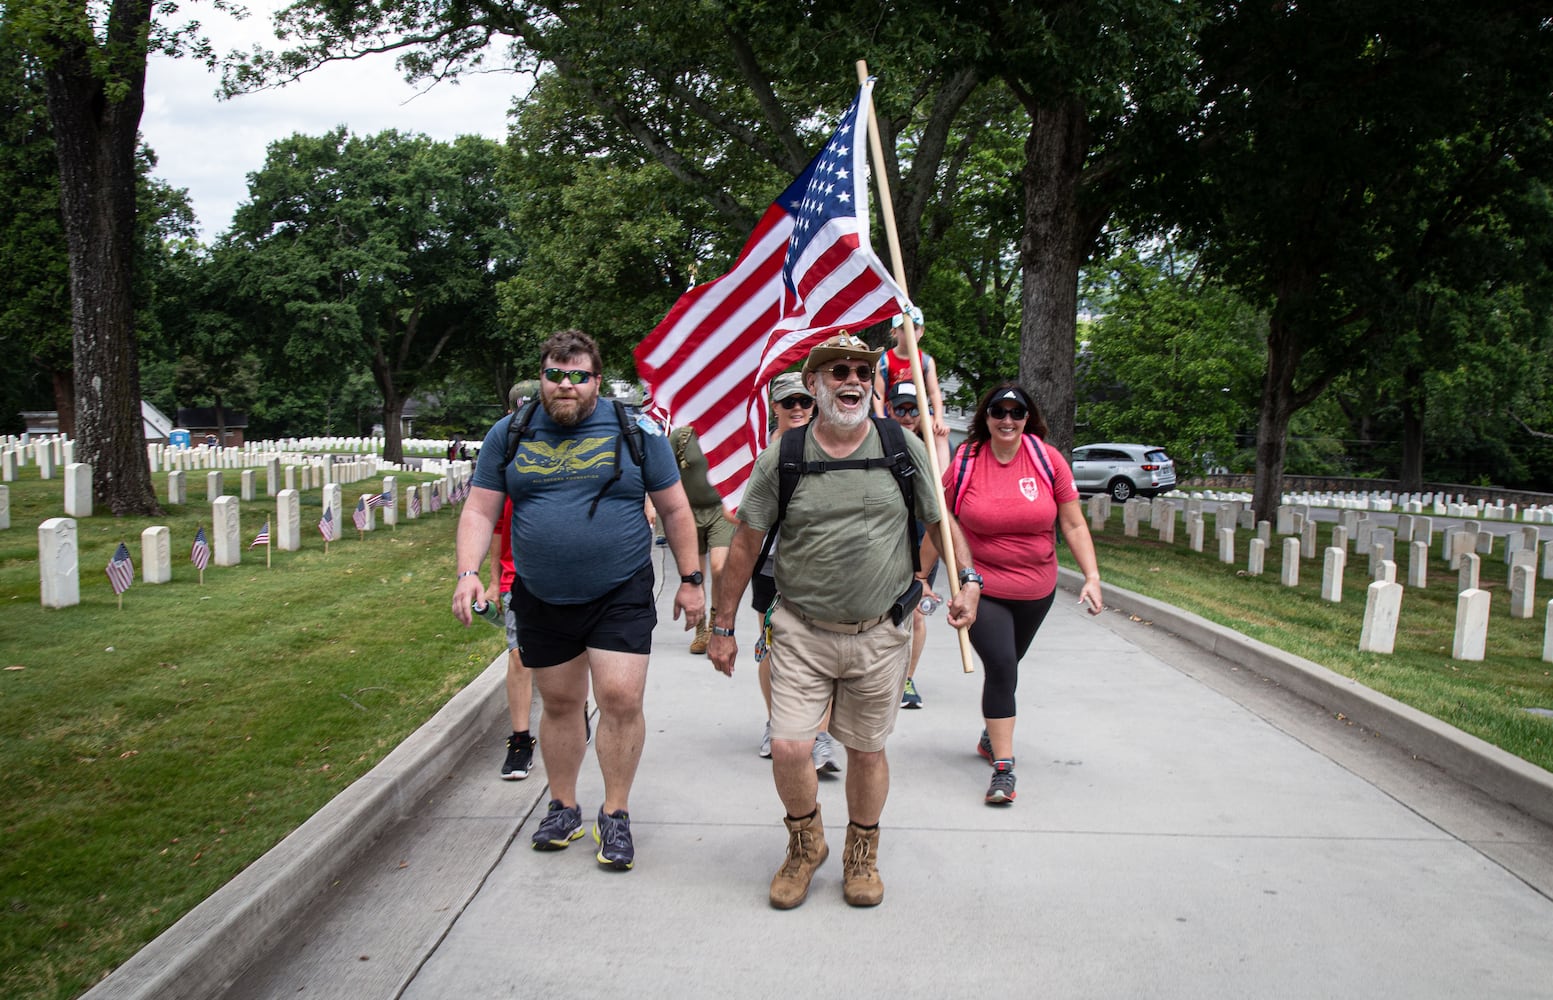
491, 612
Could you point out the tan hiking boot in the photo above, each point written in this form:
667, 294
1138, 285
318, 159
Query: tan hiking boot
806, 851
860, 883
703, 635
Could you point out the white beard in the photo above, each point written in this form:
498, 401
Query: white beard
832, 411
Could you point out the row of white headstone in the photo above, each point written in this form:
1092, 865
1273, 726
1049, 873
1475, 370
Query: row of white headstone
58, 562
1460, 550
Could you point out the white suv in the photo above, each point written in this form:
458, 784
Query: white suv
1123, 470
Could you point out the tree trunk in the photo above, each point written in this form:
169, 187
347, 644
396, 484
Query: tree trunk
393, 428
1410, 477
94, 137
1272, 428
64, 399
1050, 253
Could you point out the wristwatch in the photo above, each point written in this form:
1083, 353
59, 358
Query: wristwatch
968, 575
719, 630
693, 579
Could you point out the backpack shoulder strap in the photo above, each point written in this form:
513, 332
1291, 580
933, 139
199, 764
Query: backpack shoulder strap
789, 470
1037, 449
632, 434
962, 477
517, 429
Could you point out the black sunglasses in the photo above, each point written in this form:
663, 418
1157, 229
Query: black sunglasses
905, 410
1015, 412
803, 402
572, 375
865, 373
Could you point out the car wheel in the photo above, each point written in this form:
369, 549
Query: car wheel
1120, 489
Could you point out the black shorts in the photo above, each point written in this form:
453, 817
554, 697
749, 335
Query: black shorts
621, 621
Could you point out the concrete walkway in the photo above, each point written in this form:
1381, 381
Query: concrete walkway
1187, 826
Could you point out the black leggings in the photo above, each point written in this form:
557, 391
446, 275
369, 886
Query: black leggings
1001, 635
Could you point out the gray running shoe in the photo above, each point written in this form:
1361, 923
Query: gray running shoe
1001, 791
765, 742
984, 746
561, 826
824, 755
612, 832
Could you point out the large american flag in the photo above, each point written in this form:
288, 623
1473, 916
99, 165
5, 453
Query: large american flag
121, 571
807, 271
199, 555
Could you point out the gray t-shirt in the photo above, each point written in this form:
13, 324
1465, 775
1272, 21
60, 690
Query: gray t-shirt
562, 555
844, 554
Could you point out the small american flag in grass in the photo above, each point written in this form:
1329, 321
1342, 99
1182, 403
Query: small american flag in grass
121, 571
199, 555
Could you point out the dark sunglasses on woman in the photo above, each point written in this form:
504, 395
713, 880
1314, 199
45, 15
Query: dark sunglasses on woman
802, 402
1006, 413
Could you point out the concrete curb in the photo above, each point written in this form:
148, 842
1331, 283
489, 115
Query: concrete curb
205, 952
1495, 772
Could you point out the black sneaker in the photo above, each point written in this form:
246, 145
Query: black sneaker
561, 826
520, 757
984, 746
1001, 791
612, 832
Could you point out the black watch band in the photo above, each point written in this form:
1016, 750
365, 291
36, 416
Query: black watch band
693, 579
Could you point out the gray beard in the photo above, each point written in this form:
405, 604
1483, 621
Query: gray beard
833, 413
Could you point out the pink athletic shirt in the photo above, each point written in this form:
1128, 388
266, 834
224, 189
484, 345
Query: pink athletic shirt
1009, 517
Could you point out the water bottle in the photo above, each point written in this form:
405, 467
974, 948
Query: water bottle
928, 605
491, 612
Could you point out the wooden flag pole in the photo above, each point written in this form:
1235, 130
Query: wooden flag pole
925, 425
269, 536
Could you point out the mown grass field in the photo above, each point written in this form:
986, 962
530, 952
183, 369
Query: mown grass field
1488, 698
153, 752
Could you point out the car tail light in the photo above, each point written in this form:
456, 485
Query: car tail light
1148, 467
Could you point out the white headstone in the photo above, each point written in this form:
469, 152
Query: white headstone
1264, 531
214, 487
1404, 527
1291, 562
1332, 575
1285, 515
391, 508
44, 456
1547, 636
1129, 513
5, 507
1340, 538
334, 500
156, 554
1308, 540
226, 539
1471, 625
1547, 562
78, 490
1485, 544
177, 488
1227, 545
287, 536
1382, 607
1096, 513
58, 563
1523, 591
1384, 569
289, 477
1256, 557
8, 465
248, 489
1467, 575
271, 476
1418, 564
1423, 529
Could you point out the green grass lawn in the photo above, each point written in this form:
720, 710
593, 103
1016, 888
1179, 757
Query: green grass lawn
153, 752
1488, 698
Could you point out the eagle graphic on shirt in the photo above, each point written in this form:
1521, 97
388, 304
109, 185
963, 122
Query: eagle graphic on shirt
569, 457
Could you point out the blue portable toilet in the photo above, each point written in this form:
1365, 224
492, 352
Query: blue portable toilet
178, 437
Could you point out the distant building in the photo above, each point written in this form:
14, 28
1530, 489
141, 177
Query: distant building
154, 423
203, 429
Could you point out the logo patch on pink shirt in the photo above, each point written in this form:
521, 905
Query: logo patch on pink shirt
1030, 487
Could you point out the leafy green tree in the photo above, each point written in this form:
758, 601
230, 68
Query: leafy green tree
1337, 150
93, 60
378, 253
1172, 358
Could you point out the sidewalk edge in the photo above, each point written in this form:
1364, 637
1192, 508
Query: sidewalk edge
1494, 771
210, 946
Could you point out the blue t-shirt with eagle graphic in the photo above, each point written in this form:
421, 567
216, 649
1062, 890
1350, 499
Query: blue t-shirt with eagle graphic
562, 555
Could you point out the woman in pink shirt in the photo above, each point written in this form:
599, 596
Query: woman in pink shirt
1010, 490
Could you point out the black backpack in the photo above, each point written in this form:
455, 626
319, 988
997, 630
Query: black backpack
791, 467
518, 429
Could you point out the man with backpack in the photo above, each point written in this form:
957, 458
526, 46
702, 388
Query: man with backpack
577, 469
844, 490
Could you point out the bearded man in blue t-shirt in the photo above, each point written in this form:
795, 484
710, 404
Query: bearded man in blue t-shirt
583, 593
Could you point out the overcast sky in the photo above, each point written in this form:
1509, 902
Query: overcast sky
210, 146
